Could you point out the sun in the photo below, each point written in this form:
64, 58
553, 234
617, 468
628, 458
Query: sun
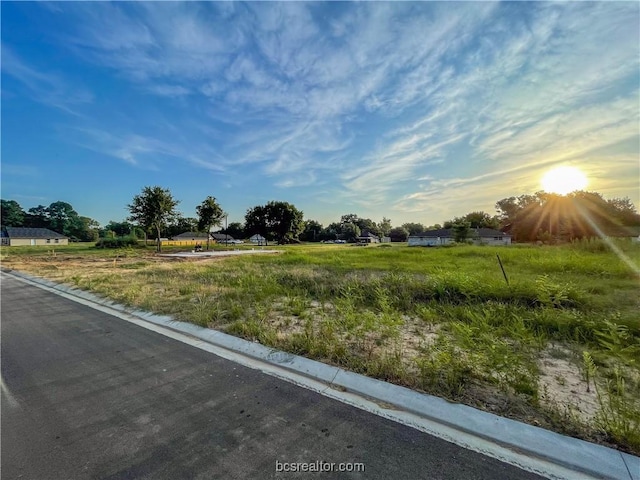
563, 180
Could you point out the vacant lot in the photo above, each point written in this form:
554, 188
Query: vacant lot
559, 346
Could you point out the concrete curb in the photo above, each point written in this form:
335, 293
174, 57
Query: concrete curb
528, 447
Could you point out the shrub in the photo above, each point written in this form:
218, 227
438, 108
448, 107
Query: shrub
117, 242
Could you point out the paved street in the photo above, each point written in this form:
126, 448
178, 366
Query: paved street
87, 395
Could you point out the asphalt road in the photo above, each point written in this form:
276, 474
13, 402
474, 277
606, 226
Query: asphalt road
87, 395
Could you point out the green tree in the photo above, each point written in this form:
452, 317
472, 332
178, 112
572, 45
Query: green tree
37, 217
153, 209
413, 228
85, 229
235, 230
384, 227
350, 232
312, 231
399, 234
119, 228
280, 221
61, 217
181, 224
349, 218
12, 214
331, 232
461, 231
210, 214
481, 220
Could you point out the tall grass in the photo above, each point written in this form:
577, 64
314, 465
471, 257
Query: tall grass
439, 320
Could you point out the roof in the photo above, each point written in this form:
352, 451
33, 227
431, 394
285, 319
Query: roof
367, 234
473, 232
21, 232
623, 231
190, 235
221, 236
257, 236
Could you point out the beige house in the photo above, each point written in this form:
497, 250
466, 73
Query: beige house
20, 236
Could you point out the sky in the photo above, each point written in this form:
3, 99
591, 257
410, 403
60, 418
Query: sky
416, 111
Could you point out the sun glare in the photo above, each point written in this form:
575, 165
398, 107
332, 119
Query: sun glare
563, 180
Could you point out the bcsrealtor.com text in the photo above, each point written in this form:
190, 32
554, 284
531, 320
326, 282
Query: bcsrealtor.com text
318, 466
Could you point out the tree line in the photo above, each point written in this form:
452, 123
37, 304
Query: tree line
541, 216
59, 217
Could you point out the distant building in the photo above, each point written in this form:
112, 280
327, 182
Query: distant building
223, 238
445, 236
194, 236
20, 236
259, 239
368, 237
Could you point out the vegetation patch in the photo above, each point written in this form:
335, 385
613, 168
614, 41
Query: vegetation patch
557, 347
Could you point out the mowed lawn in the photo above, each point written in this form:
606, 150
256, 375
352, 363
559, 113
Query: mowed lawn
559, 346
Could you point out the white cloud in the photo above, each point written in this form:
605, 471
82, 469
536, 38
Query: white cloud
378, 97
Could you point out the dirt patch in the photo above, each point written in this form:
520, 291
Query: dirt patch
562, 384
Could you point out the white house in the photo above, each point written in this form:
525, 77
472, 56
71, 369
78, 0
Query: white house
368, 237
257, 238
445, 236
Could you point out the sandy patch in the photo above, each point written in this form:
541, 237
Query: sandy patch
562, 384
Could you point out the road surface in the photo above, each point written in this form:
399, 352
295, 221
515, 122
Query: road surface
88, 395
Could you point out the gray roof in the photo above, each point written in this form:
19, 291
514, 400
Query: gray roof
191, 236
221, 236
22, 232
473, 232
367, 234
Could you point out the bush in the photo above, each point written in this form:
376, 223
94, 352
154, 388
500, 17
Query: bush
117, 242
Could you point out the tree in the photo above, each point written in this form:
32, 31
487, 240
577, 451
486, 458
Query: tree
384, 227
12, 214
235, 230
280, 221
312, 231
153, 208
332, 232
624, 211
461, 231
481, 220
350, 232
37, 217
210, 215
85, 229
349, 218
119, 228
63, 218
182, 224
398, 234
414, 228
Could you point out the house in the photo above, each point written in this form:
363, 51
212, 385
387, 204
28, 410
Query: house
224, 238
445, 236
368, 237
20, 236
625, 232
193, 236
259, 239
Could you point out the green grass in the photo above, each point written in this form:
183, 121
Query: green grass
440, 320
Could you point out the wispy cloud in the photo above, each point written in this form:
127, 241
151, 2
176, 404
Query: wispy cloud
396, 102
49, 88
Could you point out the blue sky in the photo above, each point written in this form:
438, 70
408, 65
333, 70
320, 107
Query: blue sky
413, 111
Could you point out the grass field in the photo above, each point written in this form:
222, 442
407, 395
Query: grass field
559, 346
